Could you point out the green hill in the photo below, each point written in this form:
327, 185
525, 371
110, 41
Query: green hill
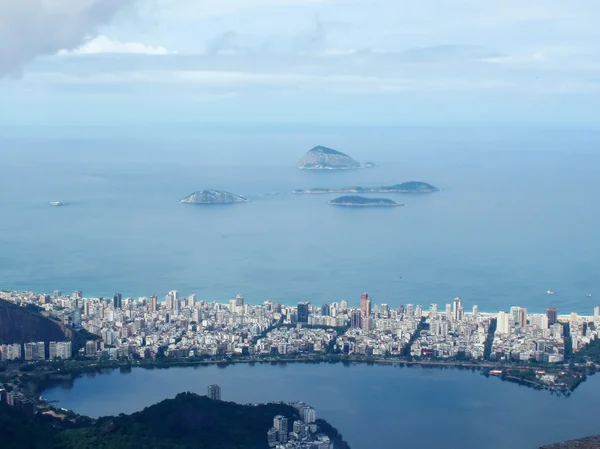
187, 421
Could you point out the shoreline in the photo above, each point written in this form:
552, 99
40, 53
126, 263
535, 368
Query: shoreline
365, 205
41, 379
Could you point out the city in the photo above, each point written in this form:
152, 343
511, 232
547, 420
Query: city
178, 327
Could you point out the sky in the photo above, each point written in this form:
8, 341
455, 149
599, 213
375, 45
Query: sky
299, 61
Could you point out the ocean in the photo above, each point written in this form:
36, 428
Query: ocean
516, 216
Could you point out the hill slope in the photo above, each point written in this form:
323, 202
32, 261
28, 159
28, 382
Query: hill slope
188, 421
25, 324
323, 158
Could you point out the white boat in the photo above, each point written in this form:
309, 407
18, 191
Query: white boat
56, 203
550, 292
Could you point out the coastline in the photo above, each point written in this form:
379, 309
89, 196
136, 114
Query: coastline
365, 205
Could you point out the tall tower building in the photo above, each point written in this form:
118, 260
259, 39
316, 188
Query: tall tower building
153, 303
239, 301
552, 315
303, 312
514, 314
502, 325
214, 392
343, 305
355, 319
174, 294
117, 301
433, 311
475, 311
325, 310
280, 423
522, 317
456, 305
448, 312
365, 304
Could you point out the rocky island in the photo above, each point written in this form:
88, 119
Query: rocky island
213, 197
361, 201
324, 158
405, 187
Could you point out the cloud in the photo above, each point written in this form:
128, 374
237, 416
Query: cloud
103, 44
31, 28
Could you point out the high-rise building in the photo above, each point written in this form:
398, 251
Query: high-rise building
596, 313
522, 317
448, 312
410, 310
552, 315
303, 312
52, 351
418, 311
153, 303
355, 319
117, 301
239, 301
365, 304
433, 310
384, 312
174, 294
475, 311
192, 301
502, 324
456, 305
514, 314
280, 423
272, 437
214, 392
325, 310
343, 305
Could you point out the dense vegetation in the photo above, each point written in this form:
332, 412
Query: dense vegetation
17, 432
188, 421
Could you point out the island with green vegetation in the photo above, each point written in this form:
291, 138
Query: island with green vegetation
213, 197
187, 421
361, 201
324, 158
405, 187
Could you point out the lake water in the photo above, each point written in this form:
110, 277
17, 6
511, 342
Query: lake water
517, 215
379, 407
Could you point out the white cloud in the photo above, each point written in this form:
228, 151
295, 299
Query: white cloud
103, 44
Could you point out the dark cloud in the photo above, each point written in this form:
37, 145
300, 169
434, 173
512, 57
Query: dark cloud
30, 28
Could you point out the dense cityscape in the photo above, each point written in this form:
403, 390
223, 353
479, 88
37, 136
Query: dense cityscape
185, 327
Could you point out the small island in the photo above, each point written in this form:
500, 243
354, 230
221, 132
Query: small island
405, 187
324, 158
213, 197
361, 201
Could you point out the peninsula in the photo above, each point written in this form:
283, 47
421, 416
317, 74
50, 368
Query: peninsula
405, 187
361, 201
324, 158
213, 197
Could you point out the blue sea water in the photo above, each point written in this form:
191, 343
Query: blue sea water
374, 407
517, 215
